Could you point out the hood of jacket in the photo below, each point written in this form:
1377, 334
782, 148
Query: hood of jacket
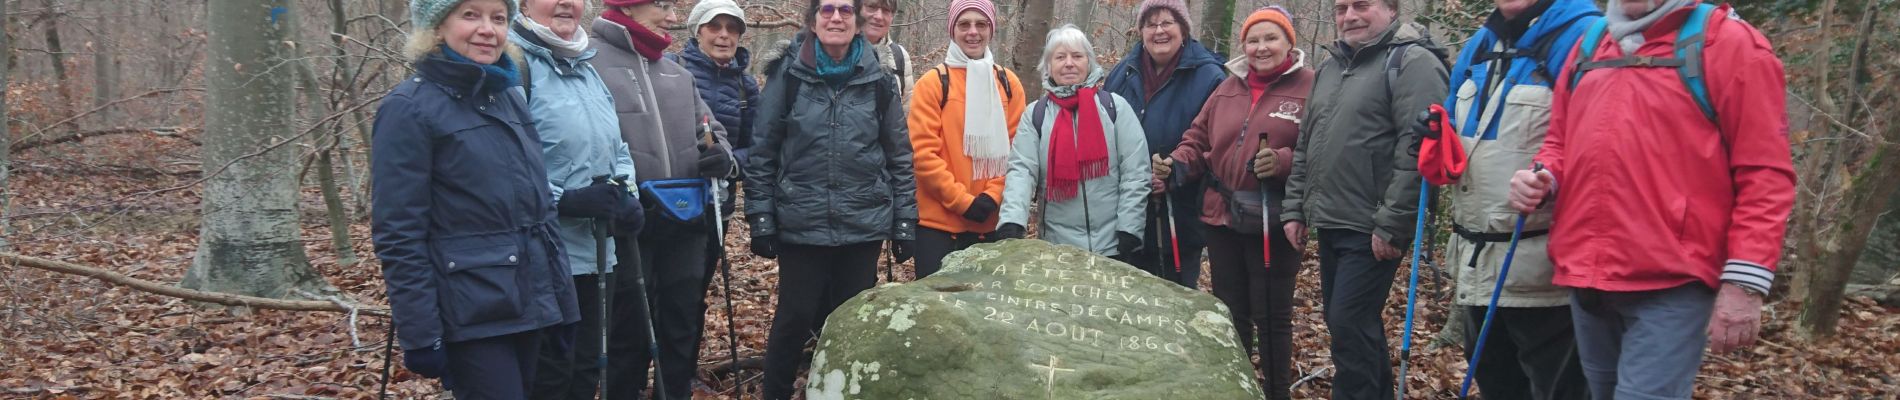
1239, 69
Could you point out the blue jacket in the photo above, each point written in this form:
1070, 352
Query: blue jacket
462, 219
1166, 116
1502, 109
728, 90
580, 136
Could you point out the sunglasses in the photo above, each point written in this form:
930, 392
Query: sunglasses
829, 10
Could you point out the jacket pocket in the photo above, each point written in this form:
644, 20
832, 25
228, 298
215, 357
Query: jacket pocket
479, 280
1526, 116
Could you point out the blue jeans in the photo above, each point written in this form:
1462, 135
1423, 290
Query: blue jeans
1642, 345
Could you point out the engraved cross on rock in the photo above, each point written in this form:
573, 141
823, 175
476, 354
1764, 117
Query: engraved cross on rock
1050, 382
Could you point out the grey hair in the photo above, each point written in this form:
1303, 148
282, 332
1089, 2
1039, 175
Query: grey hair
1066, 35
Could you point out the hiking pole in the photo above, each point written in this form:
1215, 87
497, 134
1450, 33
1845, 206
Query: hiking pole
725, 265
1504, 272
389, 351
600, 284
1174, 240
1266, 215
1411, 287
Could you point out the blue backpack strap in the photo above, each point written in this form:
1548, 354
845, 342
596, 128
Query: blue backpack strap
1587, 49
1689, 43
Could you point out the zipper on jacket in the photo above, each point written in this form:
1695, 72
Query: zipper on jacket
659, 123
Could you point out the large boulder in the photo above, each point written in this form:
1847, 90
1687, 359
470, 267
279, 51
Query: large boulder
1026, 319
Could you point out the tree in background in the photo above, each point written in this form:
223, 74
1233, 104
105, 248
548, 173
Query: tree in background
248, 243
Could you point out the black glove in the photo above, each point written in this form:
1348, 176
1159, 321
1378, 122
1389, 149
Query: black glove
562, 336
1011, 231
430, 362
1127, 243
1423, 125
980, 209
765, 246
714, 162
603, 199
900, 250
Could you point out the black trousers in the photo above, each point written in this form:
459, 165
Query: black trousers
1259, 298
575, 374
812, 281
675, 271
1531, 353
498, 368
932, 245
1354, 286
1157, 248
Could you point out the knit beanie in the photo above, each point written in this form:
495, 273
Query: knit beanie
426, 14
1178, 7
706, 10
1274, 14
957, 7
624, 3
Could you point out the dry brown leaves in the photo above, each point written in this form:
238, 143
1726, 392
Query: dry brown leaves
70, 338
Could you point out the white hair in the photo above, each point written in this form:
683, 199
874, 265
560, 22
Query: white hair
1066, 36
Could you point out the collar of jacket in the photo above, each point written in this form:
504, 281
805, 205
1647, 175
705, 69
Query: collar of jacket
460, 79
535, 47
1238, 66
741, 59
803, 56
1513, 28
1193, 55
614, 35
1399, 33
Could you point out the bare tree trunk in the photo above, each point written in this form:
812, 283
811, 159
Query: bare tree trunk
1867, 194
58, 53
1036, 15
249, 242
1217, 26
6, 137
103, 83
345, 86
1085, 17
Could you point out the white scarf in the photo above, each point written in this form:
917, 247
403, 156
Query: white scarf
561, 47
985, 136
1627, 32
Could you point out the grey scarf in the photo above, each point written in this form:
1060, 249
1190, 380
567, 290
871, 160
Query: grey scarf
1095, 76
1628, 32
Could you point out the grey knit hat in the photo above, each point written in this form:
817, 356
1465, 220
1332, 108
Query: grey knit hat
426, 14
706, 10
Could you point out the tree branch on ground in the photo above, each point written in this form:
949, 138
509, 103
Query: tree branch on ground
183, 293
165, 131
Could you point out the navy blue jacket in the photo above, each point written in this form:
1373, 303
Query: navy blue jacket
1167, 115
728, 90
463, 218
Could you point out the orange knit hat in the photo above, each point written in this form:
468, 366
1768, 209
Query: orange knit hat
1274, 14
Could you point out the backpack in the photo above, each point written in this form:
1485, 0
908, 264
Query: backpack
943, 81
1101, 97
1687, 60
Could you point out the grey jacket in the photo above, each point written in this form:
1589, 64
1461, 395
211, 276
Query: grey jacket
1355, 167
1116, 202
830, 165
579, 137
659, 107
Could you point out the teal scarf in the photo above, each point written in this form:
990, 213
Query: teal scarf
837, 71
496, 77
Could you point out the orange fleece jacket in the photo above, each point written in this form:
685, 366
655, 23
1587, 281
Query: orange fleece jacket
944, 187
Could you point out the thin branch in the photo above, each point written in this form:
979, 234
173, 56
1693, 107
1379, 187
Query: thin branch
102, 107
166, 131
183, 293
1830, 118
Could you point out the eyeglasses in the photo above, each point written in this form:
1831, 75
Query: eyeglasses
1160, 26
829, 10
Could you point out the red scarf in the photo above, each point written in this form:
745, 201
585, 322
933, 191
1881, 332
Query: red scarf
1076, 156
649, 44
1257, 81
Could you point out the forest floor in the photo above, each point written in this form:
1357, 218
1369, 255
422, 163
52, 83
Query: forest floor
68, 337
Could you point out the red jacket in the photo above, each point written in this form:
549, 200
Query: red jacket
1652, 195
1214, 146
